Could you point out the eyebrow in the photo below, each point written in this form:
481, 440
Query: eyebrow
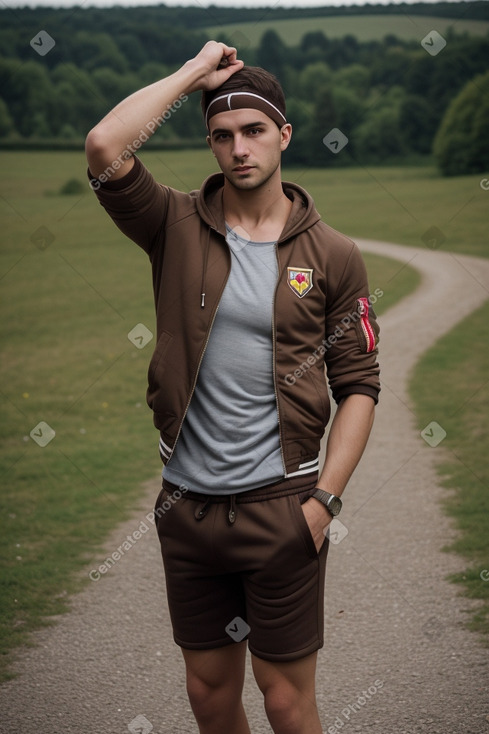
219, 130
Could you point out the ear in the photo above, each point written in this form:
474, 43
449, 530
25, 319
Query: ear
209, 143
285, 136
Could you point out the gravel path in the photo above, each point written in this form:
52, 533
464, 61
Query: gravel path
397, 659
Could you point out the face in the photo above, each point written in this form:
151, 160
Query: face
248, 146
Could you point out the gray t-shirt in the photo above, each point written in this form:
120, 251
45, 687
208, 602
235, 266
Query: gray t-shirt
229, 440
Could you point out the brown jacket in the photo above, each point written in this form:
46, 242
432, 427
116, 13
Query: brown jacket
322, 310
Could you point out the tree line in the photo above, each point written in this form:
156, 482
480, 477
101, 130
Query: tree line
389, 98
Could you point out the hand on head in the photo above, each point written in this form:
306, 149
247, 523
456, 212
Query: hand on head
218, 62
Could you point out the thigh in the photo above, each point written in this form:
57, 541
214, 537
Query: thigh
285, 592
203, 596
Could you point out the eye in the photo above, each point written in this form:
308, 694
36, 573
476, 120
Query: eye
221, 136
254, 131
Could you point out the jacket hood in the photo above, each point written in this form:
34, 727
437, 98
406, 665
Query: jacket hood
303, 214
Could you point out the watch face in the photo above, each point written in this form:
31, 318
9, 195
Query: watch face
334, 505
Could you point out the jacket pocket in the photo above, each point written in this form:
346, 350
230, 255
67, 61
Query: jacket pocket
319, 381
158, 354
366, 326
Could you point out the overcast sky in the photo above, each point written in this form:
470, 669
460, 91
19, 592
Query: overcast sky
195, 3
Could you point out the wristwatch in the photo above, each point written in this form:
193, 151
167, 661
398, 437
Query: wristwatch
332, 503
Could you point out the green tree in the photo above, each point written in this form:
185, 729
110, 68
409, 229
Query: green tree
355, 78
133, 49
67, 132
380, 136
349, 108
78, 100
151, 72
344, 51
314, 46
299, 114
40, 126
113, 86
461, 144
439, 79
312, 78
93, 50
418, 123
327, 115
63, 108
390, 67
272, 53
26, 89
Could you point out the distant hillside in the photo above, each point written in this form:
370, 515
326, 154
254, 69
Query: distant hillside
123, 19
364, 28
360, 69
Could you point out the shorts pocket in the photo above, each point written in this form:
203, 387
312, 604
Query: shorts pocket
159, 498
303, 527
161, 510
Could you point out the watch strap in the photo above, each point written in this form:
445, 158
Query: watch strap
332, 503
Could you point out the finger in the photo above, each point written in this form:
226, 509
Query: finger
232, 67
229, 57
228, 50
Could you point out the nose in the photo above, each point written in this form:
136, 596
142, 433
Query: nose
240, 149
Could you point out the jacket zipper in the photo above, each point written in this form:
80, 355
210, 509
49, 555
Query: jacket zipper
274, 362
198, 369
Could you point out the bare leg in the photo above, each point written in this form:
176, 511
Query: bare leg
290, 696
215, 681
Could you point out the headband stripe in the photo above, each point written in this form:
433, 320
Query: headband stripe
226, 102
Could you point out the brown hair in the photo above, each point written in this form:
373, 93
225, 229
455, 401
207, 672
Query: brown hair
249, 79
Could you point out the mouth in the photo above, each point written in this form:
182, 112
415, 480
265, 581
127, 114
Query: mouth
243, 169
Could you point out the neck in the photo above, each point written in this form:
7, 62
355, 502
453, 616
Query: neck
264, 207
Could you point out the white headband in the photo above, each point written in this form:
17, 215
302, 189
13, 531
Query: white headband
229, 102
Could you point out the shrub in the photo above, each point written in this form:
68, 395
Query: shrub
461, 144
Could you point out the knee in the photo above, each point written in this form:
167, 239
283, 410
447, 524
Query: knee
207, 698
201, 695
284, 707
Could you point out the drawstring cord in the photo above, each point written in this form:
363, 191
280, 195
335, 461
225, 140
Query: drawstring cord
202, 511
232, 509
200, 514
204, 269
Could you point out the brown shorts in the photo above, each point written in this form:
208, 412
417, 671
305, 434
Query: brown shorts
243, 566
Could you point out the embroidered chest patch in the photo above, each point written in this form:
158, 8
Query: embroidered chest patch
300, 280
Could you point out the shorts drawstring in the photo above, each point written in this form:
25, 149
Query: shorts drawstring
202, 512
231, 502
232, 509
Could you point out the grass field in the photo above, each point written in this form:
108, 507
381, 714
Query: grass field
451, 382
73, 288
402, 205
393, 204
364, 28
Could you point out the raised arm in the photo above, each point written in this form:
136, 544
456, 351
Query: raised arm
112, 140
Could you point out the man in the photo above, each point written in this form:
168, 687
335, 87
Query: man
253, 295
